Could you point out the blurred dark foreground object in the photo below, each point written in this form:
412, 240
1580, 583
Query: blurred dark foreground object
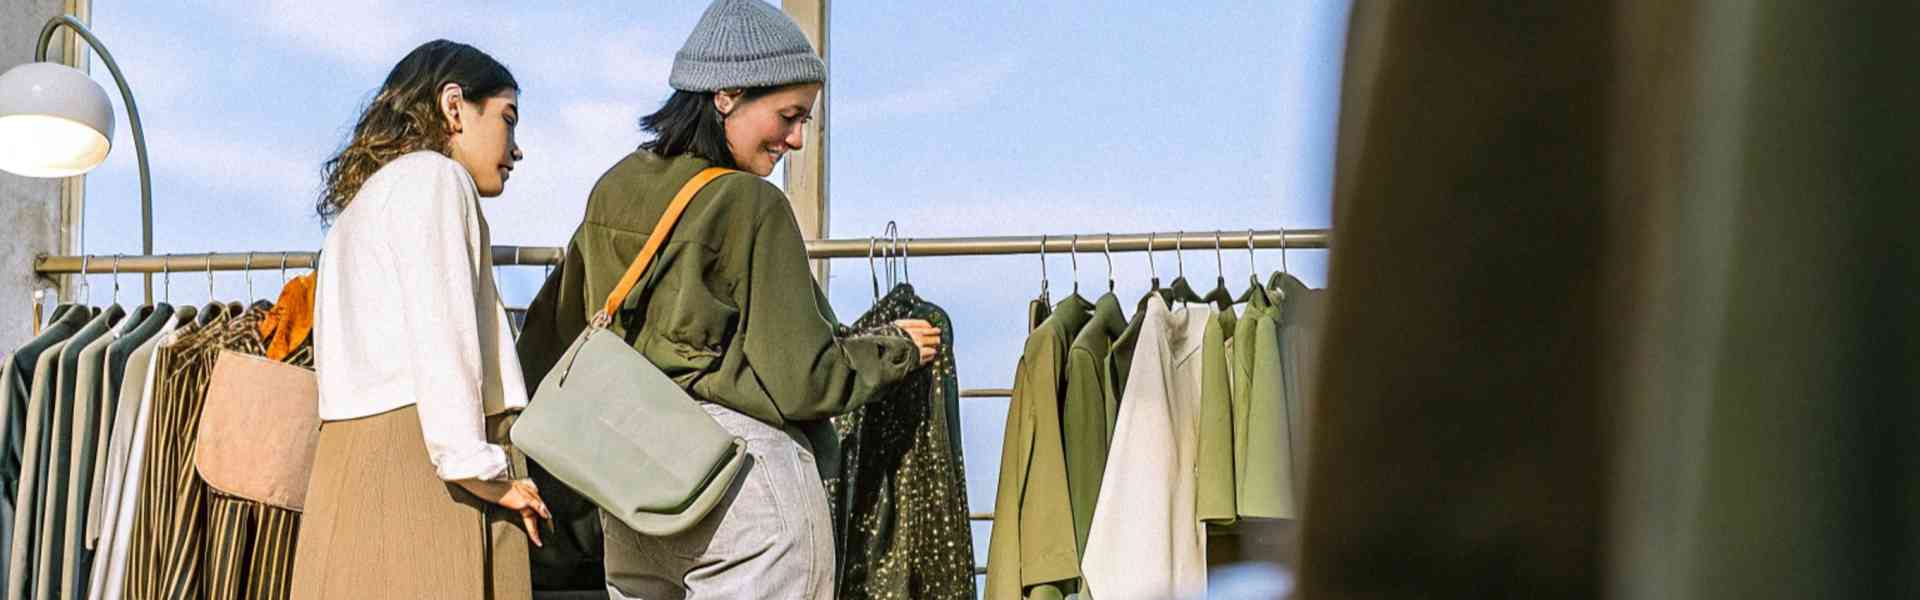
1624, 304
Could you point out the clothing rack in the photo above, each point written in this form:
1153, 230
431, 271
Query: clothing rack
870, 248
841, 248
1094, 243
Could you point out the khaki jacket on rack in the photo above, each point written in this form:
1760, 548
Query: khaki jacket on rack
1031, 553
1087, 416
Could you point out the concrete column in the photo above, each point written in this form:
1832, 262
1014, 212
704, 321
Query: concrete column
806, 169
31, 210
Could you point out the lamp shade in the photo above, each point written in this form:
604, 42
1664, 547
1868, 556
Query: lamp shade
54, 121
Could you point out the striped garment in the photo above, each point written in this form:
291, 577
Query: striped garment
191, 541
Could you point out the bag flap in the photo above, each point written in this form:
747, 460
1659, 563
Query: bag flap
258, 430
608, 423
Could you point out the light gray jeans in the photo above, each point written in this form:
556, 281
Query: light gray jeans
771, 537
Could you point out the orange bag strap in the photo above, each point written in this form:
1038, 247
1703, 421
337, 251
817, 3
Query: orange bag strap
654, 241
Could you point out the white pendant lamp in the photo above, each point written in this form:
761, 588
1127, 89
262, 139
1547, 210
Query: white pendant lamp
54, 121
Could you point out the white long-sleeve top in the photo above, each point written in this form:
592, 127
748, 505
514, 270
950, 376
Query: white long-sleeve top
406, 312
1146, 539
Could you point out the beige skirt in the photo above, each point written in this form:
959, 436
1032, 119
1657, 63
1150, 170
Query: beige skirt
380, 524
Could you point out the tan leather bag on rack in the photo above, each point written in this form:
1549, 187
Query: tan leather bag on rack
259, 429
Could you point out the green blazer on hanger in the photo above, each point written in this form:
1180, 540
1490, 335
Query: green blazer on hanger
1032, 551
1243, 364
1088, 414
1215, 469
1267, 488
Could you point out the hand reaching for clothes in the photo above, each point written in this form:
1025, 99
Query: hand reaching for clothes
925, 336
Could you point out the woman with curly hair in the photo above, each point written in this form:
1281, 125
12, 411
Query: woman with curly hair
414, 493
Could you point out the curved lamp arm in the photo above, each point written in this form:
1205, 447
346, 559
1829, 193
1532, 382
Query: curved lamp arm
133, 117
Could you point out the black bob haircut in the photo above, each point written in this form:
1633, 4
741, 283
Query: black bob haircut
688, 122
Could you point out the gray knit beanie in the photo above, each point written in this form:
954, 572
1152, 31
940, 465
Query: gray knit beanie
744, 44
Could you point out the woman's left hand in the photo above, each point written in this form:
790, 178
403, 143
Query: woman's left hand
925, 336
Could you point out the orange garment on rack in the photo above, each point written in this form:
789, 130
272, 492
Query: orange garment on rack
291, 320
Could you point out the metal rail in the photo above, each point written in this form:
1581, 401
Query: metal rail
841, 248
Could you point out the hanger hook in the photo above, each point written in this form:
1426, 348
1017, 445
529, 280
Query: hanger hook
116, 279
283, 269
249, 273
1219, 263
1073, 253
1106, 247
905, 249
1179, 252
1152, 269
1283, 250
166, 279
1043, 265
1252, 268
893, 247
86, 288
210, 277
872, 271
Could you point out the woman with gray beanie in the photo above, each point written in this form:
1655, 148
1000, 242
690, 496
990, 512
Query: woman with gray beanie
730, 311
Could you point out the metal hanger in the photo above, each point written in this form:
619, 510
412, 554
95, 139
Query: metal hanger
86, 285
1283, 251
1106, 247
1253, 274
1073, 255
213, 310
116, 279
1219, 296
892, 234
1044, 297
1273, 283
181, 314
1152, 269
906, 276
872, 271
247, 271
283, 270
1180, 290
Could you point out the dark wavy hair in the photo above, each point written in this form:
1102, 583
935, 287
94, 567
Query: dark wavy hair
688, 122
404, 117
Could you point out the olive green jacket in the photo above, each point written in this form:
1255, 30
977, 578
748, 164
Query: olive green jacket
728, 309
1215, 467
1090, 412
1032, 551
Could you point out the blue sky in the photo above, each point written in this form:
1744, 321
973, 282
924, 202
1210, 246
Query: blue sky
951, 118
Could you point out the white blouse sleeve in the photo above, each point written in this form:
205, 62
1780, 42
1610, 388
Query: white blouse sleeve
434, 237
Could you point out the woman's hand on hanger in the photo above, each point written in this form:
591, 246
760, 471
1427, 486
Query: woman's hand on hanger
925, 336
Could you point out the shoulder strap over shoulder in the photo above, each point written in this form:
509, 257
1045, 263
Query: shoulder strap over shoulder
654, 241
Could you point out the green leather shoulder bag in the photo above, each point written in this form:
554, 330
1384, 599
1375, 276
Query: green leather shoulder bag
613, 427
